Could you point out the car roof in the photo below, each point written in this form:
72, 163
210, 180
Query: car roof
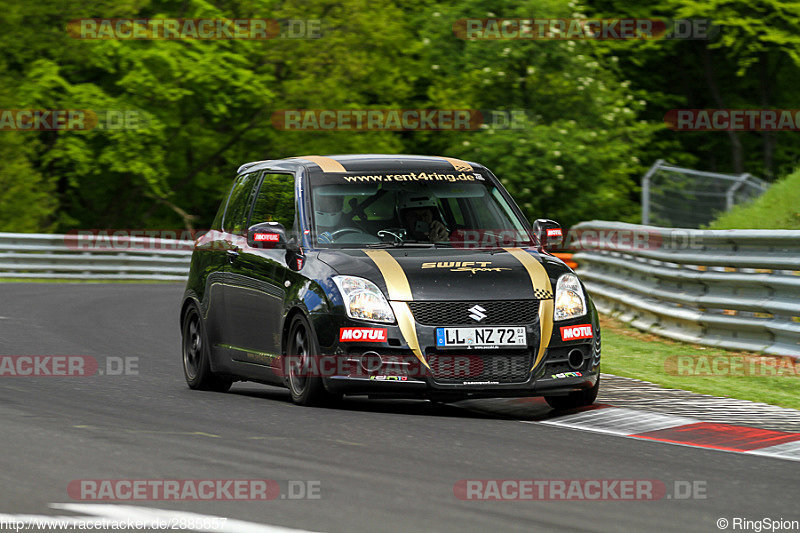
363, 163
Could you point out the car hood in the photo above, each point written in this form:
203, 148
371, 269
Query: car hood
407, 274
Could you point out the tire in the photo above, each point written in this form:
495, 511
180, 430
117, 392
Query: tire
576, 399
305, 389
196, 355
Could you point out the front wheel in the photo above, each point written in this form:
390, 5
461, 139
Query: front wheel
576, 399
196, 355
302, 348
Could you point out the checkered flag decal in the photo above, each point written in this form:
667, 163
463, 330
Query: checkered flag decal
542, 294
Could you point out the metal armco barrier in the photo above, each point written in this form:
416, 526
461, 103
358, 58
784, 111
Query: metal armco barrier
45, 256
736, 289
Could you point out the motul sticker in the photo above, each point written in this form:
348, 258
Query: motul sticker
362, 334
554, 232
581, 331
266, 237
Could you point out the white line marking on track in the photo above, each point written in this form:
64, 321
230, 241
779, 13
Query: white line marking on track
617, 421
624, 422
787, 450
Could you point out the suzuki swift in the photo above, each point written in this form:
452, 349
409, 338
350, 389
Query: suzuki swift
385, 276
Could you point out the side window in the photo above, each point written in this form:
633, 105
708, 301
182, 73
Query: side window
239, 205
275, 201
217, 223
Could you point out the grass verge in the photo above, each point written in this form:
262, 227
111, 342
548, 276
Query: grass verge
631, 353
777, 208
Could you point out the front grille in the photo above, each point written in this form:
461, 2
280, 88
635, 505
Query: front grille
480, 365
504, 312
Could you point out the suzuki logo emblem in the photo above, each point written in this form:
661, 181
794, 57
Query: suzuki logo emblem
477, 313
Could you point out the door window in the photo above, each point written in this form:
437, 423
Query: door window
275, 201
239, 204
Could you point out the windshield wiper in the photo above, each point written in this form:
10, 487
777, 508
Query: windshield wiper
399, 244
478, 246
382, 245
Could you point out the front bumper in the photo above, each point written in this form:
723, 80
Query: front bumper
460, 372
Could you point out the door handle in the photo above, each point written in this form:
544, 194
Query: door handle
232, 255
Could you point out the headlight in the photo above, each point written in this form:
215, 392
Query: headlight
570, 302
363, 299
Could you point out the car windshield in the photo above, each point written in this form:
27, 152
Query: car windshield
413, 209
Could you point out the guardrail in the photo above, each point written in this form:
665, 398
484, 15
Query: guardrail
736, 289
46, 256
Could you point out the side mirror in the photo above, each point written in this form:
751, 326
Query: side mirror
548, 233
266, 235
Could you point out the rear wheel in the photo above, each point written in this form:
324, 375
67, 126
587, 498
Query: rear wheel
305, 387
196, 355
575, 399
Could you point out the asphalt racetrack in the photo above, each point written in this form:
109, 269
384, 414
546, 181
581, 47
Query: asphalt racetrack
377, 465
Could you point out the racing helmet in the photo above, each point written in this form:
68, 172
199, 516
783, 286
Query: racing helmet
328, 210
411, 202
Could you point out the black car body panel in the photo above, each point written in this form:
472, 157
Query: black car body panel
247, 295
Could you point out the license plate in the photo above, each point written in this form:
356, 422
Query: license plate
480, 337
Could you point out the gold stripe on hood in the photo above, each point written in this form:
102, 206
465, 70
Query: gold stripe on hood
546, 308
542, 290
399, 293
393, 275
406, 322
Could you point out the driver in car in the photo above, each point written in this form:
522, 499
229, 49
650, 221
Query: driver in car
423, 225
328, 216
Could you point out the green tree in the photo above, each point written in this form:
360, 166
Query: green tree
204, 107
576, 155
751, 63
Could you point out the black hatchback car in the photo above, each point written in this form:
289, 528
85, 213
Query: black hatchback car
385, 275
